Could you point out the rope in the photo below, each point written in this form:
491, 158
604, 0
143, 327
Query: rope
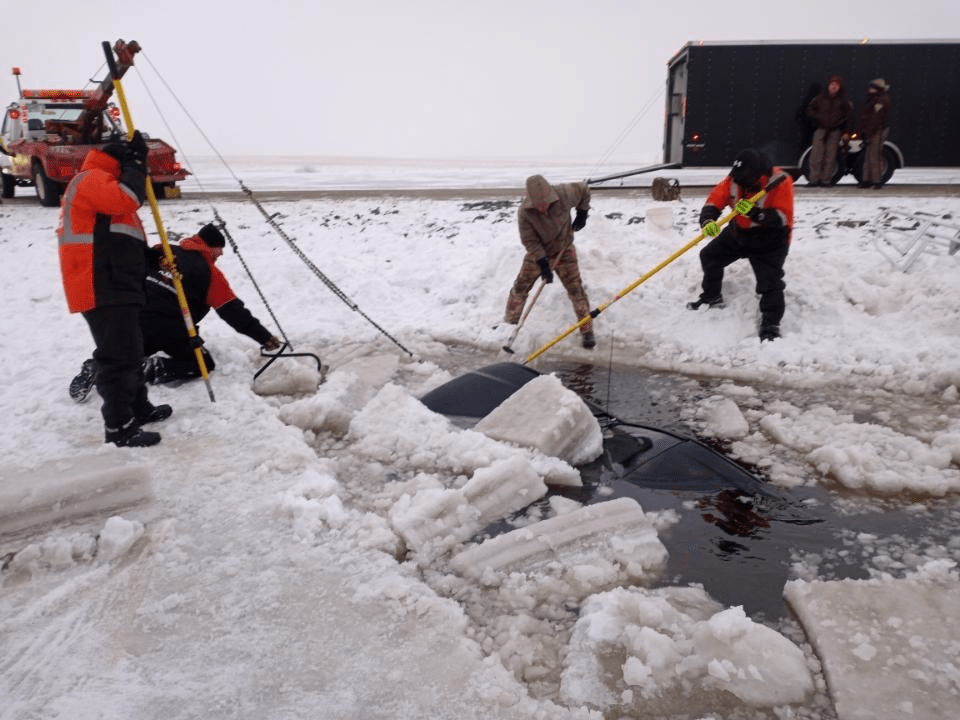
658, 95
332, 286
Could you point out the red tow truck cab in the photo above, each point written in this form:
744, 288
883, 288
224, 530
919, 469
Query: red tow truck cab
46, 134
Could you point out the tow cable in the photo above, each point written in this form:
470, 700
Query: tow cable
272, 222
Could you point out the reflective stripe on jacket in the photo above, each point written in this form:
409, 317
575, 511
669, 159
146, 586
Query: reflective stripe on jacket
102, 243
780, 199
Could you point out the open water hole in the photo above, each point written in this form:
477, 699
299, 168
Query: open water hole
742, 549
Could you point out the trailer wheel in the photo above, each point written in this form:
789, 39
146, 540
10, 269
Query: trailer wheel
889, 162
9, 183
48, 191
838, 167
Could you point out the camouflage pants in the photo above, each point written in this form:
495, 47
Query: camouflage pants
567, 269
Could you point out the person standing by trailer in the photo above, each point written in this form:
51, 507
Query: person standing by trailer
830, 110
873, 129
760, 233
546, 232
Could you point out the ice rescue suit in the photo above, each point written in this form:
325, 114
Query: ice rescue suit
103, 261
205, 287
764, 246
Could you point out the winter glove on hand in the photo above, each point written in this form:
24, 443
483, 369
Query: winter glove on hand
545, 272
743, 206
272, 344
580, 221
710, 228
137, 149
134, 177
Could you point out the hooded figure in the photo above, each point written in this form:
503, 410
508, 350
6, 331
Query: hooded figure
830, 110
546, 232
873, 128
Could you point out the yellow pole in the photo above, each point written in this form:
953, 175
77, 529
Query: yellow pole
155, 209
646, 276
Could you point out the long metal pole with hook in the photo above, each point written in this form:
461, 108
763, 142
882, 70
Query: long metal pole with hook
155, 209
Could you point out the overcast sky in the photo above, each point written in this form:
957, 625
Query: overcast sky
500, 79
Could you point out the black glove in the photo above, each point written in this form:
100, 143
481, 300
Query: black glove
135, 178
767, 218
137, 149
580, 221
545, 272
272, 344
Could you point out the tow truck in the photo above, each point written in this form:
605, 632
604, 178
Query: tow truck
46, 135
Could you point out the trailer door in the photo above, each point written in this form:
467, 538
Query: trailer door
676, 109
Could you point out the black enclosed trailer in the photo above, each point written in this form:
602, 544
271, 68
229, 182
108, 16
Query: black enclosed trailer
723, 97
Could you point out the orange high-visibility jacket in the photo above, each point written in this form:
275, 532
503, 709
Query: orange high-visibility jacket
102, 242
780, 199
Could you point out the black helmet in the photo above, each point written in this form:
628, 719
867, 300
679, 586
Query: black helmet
749, 167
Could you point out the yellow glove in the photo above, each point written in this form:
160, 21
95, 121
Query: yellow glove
743, 206
710, 228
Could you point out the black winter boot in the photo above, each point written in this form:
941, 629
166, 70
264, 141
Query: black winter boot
83, 383
131, 435
154, 413
769, 332
716, 302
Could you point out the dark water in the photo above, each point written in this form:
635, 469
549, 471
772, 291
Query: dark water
743, 549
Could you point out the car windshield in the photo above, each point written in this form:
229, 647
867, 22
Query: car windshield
59, 111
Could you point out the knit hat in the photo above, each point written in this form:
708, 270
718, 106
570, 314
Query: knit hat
749, 167
879, 84
212, 236
540, 192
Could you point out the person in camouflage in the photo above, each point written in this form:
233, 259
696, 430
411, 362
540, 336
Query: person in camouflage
546, 232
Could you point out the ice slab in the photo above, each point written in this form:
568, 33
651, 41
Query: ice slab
890, 648
69, 488
549, 417
616, 530
449, 516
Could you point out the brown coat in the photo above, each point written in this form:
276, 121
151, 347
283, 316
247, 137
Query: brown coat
875, 114
831, 111
547, 234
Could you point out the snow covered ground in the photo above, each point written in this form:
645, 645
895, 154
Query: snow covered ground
298, 549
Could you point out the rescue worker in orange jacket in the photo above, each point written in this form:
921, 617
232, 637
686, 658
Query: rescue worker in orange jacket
205, 287
103, 261
760, 233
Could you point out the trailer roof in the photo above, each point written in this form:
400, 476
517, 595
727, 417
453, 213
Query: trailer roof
861, 41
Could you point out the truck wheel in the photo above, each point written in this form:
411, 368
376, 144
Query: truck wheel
48, 192
9, 183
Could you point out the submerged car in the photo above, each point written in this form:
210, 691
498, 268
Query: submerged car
731, 530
